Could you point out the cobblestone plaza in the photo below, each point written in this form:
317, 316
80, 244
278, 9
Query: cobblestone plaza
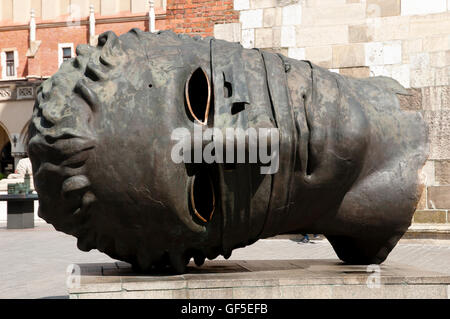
34, 262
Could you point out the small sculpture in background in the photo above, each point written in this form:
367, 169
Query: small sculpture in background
23, 170
20, 188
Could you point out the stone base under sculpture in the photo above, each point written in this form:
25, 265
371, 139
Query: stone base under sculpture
234, 279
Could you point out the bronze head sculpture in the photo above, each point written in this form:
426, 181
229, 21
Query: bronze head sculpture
102, 144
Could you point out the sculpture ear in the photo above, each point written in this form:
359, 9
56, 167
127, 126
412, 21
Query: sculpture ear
198, 95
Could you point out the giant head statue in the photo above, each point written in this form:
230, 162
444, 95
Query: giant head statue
156, 148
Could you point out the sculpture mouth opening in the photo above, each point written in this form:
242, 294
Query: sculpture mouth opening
198, 96
202, 196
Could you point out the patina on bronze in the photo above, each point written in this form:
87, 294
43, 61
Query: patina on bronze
100, 144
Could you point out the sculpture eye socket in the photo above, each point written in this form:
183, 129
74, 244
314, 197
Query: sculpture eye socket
202, 196
198, 96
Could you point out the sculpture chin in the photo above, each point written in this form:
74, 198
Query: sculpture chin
101, 142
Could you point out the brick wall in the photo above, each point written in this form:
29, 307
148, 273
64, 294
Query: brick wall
47, 55
408, 40
121, 28
199, 16
17, 40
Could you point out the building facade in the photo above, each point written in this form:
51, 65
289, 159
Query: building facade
408, 40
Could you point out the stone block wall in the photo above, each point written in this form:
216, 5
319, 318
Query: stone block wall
408, 40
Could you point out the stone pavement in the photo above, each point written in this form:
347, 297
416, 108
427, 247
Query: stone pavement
33, 262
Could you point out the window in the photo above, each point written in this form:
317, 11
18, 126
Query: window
10, 64
67, 53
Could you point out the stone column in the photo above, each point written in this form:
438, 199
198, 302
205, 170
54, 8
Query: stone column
32, 27
33, 65
151, 16
92, 37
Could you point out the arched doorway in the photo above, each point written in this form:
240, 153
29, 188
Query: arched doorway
6, 160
